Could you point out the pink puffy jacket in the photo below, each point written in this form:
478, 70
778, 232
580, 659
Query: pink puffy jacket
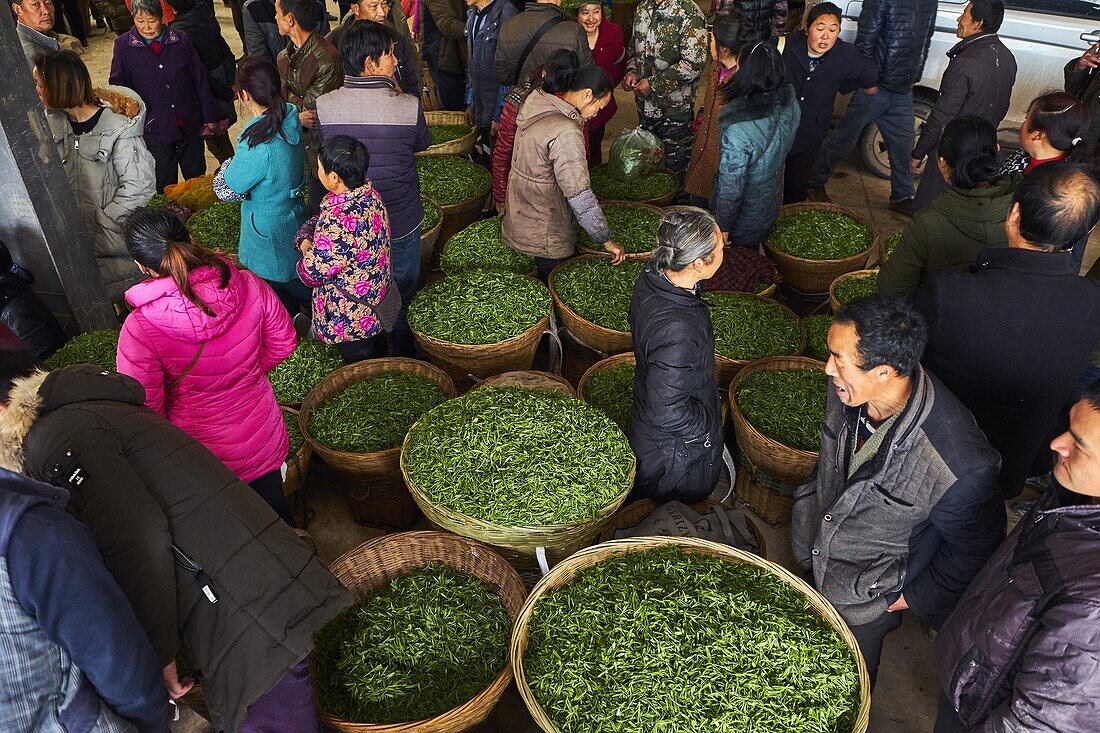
225, 401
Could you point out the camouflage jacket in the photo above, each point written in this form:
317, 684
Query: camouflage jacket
670, 49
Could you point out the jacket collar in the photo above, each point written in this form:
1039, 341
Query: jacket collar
920, 403
968, 42
661, 285
38, 37
306, 48
1060, 501
1025, 260
369, 82
17, 419
136, 41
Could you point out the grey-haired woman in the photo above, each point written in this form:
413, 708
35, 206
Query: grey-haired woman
676, 431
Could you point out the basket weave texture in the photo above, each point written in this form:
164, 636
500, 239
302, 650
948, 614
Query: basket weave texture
815, 276
835, 304
375, 563
564, 572
602, 339
458, 146
484, 360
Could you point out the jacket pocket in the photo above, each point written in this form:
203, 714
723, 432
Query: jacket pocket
886, 575
255, 229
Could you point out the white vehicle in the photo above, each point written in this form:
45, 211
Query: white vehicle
1042, 34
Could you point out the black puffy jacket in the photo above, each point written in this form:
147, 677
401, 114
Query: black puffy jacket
768, 16
896, 34
676, 431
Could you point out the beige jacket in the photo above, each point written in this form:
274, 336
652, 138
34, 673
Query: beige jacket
549, 166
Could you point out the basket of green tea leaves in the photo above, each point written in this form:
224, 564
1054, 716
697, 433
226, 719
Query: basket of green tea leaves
309, 363
218, 228
817, 336
98, 348
593, 297
519, 469
608, 385
778, 407
479, 247
480, 322
813, 244
852, 285
657, 188
749, 327
450, 134
430, 227
633, 227
425, 647
685, 635
457, 186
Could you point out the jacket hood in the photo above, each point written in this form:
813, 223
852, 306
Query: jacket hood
161, 303
115, 123
539, 103
983, 222
44, 391
756, 106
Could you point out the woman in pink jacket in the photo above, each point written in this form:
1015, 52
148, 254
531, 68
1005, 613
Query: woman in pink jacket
201, 339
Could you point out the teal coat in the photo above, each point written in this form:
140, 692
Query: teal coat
270, 177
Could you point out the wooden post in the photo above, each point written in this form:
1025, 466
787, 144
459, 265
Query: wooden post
40, 221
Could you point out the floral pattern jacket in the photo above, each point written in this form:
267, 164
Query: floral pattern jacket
348, 265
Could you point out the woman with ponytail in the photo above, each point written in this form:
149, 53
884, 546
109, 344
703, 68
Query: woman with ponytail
965, 219
676, 431
549, 191
201, 339
1054, 129
266, 177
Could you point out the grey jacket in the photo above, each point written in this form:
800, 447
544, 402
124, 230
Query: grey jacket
35, 43
919, 518
111, 173
1020, 651
517, 31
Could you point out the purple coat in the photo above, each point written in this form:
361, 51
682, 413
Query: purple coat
172, 84
1021, 650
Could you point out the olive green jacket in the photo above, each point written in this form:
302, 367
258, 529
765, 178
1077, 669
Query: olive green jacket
948, 233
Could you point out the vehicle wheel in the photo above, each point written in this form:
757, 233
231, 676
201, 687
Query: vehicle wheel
872, 148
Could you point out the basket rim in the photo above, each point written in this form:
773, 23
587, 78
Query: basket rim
720, 359
547, 376
452, 147
608, 362
834, 303
445, 208
585, 249
564, 572
367, 368
306, 449
762, 365
669, 196
859, 218
561, 303
540, 325
495, 689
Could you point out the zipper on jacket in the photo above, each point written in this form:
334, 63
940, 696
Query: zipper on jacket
704, 438
185, 562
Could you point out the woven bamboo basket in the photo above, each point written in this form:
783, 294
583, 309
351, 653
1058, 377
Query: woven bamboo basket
587, 558
815, 276
377, 562
458, 146
639, 256
633, 514
380, 465
611, 361
835, 304
782, 462
519, 544
428, 239
457, 217
757, 490
597, 337
659, 201
484, 360
532, 379
297, 466
726, 369
533, 274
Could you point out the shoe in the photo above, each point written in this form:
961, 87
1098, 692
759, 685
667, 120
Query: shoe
819, 195
903, 207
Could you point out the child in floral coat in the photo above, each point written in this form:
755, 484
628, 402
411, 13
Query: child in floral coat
346, 256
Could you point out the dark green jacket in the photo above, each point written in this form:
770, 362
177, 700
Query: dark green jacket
948, 233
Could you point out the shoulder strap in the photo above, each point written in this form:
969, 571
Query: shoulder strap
190, 366
542, 31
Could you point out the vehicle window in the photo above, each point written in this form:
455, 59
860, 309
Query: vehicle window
1080, 8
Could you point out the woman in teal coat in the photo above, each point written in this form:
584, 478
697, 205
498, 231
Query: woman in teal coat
266, 177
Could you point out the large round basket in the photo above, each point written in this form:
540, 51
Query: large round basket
380, 465
626, 357
484, 360
520, 545
779, 461
632, 515
607, 340
639, 256
658, 201
428, 240
564, 572
815, 276
456, 217
835, 304
532, 379
726, 369
458, 146
375, 563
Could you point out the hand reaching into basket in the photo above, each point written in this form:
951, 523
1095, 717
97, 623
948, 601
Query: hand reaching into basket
618, 254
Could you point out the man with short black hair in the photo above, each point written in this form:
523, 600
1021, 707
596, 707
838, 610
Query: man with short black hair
902, 508
392, 127
407, 75
1011, 336
34, 26
978, 81
1020, 651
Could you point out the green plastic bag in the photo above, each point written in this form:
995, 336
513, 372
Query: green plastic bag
635, 154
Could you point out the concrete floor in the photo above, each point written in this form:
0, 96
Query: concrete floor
905, 699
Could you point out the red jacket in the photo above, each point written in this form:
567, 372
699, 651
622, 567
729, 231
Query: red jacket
610, 55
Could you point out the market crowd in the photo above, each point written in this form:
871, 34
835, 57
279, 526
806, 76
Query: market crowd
969, 376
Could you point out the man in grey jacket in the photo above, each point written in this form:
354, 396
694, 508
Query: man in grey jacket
902, 508
1020, 651
554, 30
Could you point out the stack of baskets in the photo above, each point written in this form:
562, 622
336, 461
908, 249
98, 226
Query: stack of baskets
376, 491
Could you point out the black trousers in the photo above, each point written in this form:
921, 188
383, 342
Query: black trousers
270, 488
796, 174
947, 720
545, 265
293, 295
451, 88
870, 637
186, 155
363, 349
68, 14
595, 145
